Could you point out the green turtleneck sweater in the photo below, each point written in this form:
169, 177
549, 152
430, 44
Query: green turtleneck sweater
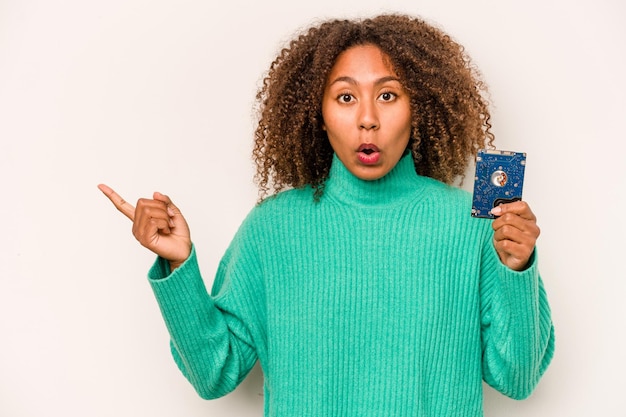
384, 298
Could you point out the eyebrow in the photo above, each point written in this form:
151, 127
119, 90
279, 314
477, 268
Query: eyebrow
351, 80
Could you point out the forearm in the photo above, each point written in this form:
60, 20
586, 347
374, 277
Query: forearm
518, 335
207, 345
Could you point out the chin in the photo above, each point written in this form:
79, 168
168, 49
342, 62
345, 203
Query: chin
369, 173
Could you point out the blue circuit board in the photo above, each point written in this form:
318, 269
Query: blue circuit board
499, 179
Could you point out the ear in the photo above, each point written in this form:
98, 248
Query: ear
322, 124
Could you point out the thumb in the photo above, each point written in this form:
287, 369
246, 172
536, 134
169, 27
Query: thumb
173, 211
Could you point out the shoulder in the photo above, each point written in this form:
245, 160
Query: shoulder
288, 200
288, 203
264, 223
452, 206
445, 194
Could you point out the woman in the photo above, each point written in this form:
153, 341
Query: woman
362, 285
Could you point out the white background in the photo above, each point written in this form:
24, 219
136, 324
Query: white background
158, 95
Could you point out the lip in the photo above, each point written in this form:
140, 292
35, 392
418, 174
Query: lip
368, 154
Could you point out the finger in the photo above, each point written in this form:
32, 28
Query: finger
148, 232
516, 256
148, 209
521, 208
515, 235
172, 209
122, 205
507, 224
517, 221
515, 240
151, 222
178, 224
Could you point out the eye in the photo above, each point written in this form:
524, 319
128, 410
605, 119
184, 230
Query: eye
387, 96
345, 98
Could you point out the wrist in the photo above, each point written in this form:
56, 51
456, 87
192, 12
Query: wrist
175, 264
180, 259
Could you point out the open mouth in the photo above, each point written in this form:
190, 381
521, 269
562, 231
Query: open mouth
368, 148
369, 154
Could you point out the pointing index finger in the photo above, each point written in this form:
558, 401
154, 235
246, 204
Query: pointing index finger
122, 205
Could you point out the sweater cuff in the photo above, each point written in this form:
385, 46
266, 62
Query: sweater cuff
160, 270
172, 288
520, 284
531, 267
179, 292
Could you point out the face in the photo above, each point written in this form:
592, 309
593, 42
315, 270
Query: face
366, 112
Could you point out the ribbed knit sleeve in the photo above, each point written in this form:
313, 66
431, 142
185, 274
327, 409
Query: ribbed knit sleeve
211, 344
383, 298
517, 330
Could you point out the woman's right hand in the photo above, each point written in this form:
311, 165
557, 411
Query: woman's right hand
157, 224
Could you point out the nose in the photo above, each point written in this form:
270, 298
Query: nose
368, 116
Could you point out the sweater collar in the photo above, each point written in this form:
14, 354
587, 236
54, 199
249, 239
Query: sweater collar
400, 184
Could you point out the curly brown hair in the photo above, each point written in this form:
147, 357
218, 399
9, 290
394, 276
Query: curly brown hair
450, 115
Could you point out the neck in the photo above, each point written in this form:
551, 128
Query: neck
400, 184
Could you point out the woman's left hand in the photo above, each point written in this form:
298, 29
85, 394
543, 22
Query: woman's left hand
516, 233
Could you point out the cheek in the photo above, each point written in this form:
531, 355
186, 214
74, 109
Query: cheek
405, 124
327, 119
336, 119
332, 123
